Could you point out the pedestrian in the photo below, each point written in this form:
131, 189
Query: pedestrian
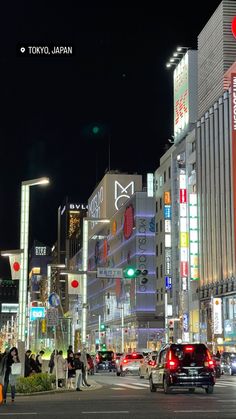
84, 368
33, 365
61, 368
39, 360
71, 370
69, 350
78, 371
218, 354
51, 362
27, 363
7, 373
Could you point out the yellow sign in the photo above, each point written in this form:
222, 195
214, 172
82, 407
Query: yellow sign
183, 239
114, 228
167, 199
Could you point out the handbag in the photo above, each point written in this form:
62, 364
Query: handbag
16, 368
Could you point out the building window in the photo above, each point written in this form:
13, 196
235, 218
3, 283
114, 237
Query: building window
169, 172
161, 270
161, 181
157, 250
160, 226
193, 146
161, 248
157, 272
164, 176
156, 184
157, 295
156, 206
160, 203
161, 294
157, 228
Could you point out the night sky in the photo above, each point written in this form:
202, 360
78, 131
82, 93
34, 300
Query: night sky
116, 79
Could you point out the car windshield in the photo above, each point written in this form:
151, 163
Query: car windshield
190, 355
106, 356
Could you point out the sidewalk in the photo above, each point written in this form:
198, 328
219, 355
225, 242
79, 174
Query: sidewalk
93, 386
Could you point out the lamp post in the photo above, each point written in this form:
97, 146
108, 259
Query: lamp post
86, 237
24, 243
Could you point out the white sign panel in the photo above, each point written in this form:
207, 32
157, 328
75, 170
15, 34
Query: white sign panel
52, 317
109, 273
217, 316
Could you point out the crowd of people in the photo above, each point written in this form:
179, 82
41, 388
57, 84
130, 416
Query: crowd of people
71, 371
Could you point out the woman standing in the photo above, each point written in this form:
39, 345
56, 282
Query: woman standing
61, 368
33, 364
9, 359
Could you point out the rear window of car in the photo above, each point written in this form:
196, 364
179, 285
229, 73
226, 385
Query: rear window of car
106, 356
190, 355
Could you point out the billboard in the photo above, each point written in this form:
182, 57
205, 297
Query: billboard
185, 95
217, 316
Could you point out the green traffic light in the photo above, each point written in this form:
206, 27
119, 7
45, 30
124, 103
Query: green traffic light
130, 272
95, 130
102, 327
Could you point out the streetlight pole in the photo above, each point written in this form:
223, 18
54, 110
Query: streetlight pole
24, 244
86, 220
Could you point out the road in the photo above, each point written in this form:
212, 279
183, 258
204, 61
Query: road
127, 397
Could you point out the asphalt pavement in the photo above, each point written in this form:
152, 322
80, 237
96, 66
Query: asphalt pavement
127, 397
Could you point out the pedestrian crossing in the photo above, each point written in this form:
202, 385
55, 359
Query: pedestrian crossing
142, 386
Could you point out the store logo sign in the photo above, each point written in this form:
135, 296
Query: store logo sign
233, 26
123, 192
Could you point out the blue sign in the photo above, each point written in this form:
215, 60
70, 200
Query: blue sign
185, 322
167, 212
37, 313
168, 282
54, 299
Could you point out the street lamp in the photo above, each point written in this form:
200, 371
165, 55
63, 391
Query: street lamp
24, 243
86, 220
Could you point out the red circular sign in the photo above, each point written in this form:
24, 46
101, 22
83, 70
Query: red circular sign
74, 283
16, 266
233, 26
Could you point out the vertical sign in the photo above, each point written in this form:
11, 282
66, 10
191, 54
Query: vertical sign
233, 98
217, 316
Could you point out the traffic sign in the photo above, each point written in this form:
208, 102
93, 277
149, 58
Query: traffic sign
109, 273
37, 313
52, 317
54, 299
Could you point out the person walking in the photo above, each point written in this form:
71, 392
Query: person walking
7, 373
27, 363
78, 371
61, 368
71, 370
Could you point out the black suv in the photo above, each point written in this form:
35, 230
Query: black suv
105, 361
183, 366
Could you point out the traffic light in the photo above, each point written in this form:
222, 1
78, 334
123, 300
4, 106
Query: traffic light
103, 347
102, 327
133, 272
171, 324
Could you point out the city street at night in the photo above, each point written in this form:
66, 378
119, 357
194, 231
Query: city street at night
122, 397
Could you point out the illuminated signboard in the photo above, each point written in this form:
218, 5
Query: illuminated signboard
150, 183
167, 240
37, 313
167, 226
40, 250
182, 196
183, 239
185, 95
217, 316
233, 106
193, 236
167, 199
167, 211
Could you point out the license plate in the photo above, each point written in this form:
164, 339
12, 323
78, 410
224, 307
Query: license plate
193, 372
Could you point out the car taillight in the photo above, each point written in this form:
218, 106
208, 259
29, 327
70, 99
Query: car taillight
125, 361
171, 364
189, 348
152, 363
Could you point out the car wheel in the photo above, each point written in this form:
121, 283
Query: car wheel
153, 388
209, 390
166, 386
118, 374
191, 390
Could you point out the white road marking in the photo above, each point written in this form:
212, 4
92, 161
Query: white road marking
140, 384
117, 388
129, 386
196, 411
108, 412
16, 414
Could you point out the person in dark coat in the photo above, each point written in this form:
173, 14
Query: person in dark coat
71, 370
6, 364
33, 365
27, 363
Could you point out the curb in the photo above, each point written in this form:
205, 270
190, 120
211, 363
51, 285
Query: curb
94, 386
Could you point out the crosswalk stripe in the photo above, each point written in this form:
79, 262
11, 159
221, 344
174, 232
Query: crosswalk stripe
117, 388
140, 384
129, 386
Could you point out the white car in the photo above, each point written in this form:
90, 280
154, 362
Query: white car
129, 364
147, 365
